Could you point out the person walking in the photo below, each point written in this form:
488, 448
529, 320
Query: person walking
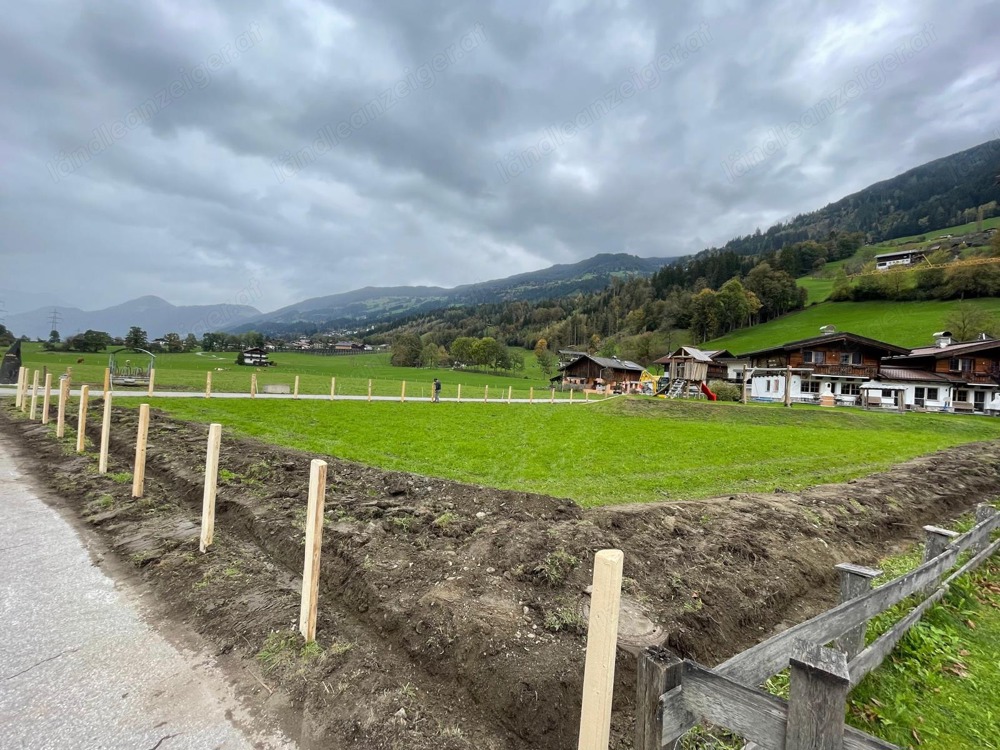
436, 391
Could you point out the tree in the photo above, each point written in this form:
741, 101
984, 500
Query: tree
734, 306
705, 313
462, 350
841, 286
406, 350
546, 359
54, 337
190, 343
89, 341
429, 355
136, 338
966, 322
174, 343
6, 337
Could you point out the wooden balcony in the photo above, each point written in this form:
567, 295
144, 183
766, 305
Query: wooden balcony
858, 371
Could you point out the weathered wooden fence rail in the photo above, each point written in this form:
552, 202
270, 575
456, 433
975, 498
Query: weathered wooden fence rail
673, 695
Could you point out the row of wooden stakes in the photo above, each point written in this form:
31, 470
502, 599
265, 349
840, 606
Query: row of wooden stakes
317, 476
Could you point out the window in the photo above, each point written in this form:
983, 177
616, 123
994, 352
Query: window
961, 395
767, 385
962, 364
850, 389
810, 386
850, 358
932, 393
811, 357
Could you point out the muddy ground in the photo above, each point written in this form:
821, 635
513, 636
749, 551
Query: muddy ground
452, 616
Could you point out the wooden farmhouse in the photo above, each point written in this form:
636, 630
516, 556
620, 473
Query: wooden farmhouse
956, 376
588, 372
832, 364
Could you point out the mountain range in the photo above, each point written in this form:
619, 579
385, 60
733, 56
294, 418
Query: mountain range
154, 315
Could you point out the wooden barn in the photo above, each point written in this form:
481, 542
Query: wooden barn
589, 372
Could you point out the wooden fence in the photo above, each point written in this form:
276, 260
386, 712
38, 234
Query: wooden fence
675, 694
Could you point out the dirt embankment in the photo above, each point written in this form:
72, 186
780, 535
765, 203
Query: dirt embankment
450, 614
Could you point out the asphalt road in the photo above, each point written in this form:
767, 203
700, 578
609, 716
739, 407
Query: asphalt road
79, 667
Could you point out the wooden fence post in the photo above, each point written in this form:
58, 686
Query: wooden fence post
295, 388
61, 407
142, 434
314, 546
984, 511
253, 385
369, 390
817, 698
602, 644
152, 380
81, 422
20, 384
208, 384
458, 400
586, 395
34, 397
402, 393
855, 580
102, 463
571, 395
107, 382
788, 386
531, 395
24, 396
486, 393
510, 393
333, 388
552, 396
47, 398
937, 540
659, 672
211, 485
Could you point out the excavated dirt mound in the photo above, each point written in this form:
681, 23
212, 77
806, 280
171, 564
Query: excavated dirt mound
452, 616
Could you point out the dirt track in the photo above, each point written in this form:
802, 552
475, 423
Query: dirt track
439, 600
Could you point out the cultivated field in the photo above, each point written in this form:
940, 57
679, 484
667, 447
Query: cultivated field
617, 451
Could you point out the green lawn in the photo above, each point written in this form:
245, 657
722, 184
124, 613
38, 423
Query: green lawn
602, 453
818, 288
903, 323
188, 371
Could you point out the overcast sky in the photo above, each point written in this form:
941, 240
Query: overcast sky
186, 149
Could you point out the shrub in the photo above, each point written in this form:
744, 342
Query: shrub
725, 391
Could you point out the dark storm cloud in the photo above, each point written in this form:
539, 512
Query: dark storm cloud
191, 149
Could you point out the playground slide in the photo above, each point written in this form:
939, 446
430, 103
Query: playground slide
708, 393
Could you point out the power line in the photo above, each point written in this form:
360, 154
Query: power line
55, 319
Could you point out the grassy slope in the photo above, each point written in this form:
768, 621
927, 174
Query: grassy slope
903, 323
601, 453
187, 372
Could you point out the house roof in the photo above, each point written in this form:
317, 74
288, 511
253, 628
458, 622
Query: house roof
698, 355
843, 338
940, 352
906, 374
615, 364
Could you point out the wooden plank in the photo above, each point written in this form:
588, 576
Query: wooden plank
102, 463
46, 398
152, 380
986, 515
659, 671
675, 719
34, 397
208, 384
979, 535
211, 485
975, 562
817, 698
81, 420
314, 546
876, 652
757, 664
139, 472
855, 581
602, 645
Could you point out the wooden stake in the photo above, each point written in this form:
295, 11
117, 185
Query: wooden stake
602, 644
531, 395
369, 390
333, 388
571, 395
208, 384
61, 408
295, 388
817, 698
253, 385
788, 386
211, 485
855, 581
107, 382
459, 399
20, 385
152, 379
81, 422
139, 473
47, 398
402, 393
659, 671
486, 393
552, 396
102, 464
510, 392
586, 395
24, 396
314, 546
34, 397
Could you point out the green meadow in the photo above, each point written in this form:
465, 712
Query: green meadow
605, 452
187, 372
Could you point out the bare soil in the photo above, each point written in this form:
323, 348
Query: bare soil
451, 615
